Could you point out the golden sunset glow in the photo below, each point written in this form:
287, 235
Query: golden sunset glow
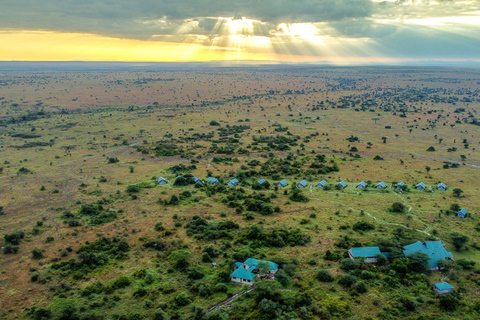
365, 31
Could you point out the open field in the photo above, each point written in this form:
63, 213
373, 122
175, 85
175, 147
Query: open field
81, 151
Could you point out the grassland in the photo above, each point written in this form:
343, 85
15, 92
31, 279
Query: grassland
74, 145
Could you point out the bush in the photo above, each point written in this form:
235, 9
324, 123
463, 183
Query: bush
431, 149
398, 207
182, 299
10, 249
347, 280
324, 276
113, 160
14, 238
133, 189
37, 254
363, 226
159, 226
360, 287
121, 282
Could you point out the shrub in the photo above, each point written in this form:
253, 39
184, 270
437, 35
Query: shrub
360, 287
347, 280
398, 207
159, 226
182, 299
363, 226
14, 238
121, 282
324, 276
37, 254
133, 189
113, 160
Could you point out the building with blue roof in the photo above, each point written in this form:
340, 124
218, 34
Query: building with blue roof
245, 272
421, 186
462, 213
434, 249
400, 185
369, 253
212, 180
233, 182
441, 186
302, 184
362, 185
260, 182
162, 180
342, 184
381, 185
283, 183
322, 184
443, 287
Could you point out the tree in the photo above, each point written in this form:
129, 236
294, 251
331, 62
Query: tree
263, 267
282, 277
181, 257
428, 169
375, 119
459, 240
324, 276
381, 259
268, 306
457, 192
398, 207
347, 280
418, 261
182, 299
384, 139
448, 302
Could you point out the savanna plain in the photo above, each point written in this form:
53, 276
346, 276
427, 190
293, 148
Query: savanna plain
89, 233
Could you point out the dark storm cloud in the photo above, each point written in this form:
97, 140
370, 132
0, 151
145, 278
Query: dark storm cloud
131, 19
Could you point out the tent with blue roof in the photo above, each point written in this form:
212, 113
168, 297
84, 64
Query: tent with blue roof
162, 180
302, 184
421, 186
233, 182
322, 184
283, 183
342, 184
400, 185
381, 185
212, 180
260, 182
362, 185
462, 213
434, 249
441, 186
196, 180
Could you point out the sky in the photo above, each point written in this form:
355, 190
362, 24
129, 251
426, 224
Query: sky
330, 31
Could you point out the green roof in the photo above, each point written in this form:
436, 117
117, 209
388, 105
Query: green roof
443, 286
251, 264
434, 249
365, 252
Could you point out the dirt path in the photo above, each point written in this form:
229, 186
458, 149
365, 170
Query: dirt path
228, 300
378, 220
110, 151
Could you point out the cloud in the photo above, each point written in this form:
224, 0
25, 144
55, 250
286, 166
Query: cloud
303, 27
133, 18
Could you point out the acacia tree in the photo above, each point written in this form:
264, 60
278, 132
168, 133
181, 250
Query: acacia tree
459, 240
457, 192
